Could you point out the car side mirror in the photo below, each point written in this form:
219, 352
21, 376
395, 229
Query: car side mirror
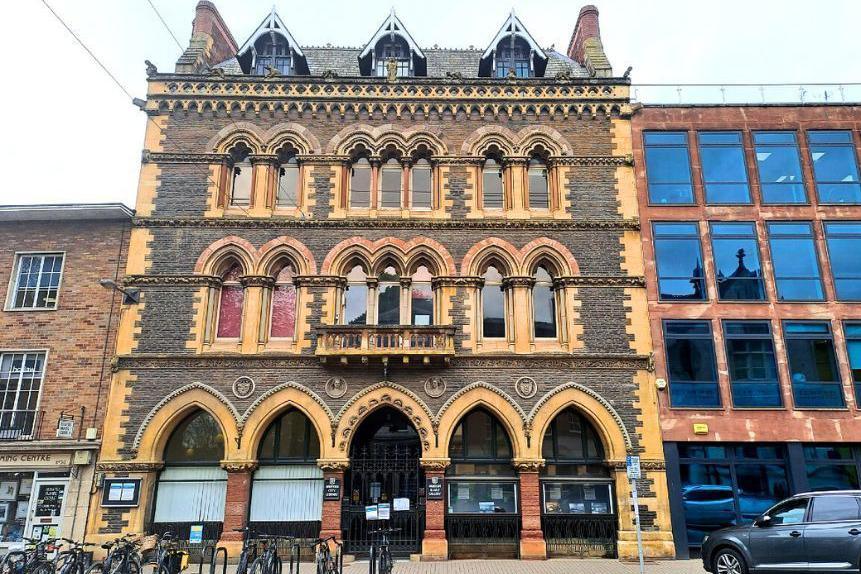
763, 521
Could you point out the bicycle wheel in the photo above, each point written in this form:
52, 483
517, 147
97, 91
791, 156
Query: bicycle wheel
96, 568
13, 562
386, 564
258, 566
42, 568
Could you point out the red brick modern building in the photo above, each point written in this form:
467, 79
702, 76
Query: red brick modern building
751, 228
57, 329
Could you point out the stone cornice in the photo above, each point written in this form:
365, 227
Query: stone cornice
592, 160
128, 466
208, 361
367, 223
189, 280
517, 281
435, 464
647, 465
168, 157
599, 281
333, 465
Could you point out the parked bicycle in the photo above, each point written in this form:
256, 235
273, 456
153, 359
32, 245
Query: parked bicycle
381, 561
249, 550
169, 558
326, 561
32, 560
73, 560
268, 562
123, 557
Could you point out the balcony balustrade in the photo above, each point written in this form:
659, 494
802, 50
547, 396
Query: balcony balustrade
363, 342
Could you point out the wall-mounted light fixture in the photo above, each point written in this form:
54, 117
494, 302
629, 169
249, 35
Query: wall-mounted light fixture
130, 295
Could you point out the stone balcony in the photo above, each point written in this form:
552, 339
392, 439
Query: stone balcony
406, 343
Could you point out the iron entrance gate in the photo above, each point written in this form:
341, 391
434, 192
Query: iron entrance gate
379, 473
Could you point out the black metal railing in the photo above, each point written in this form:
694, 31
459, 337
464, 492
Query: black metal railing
182, 532
304, 532
580, 536
483, 535
20, 425
358, 540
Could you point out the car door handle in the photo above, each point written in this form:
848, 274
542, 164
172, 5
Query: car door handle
855, 532
796, 533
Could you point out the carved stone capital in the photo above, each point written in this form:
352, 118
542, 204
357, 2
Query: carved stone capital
599, 281
263, 158
320, 281
517, 281
459, 281
527, 464
239, 465
129, 466
333, 464
435, 464
257, 281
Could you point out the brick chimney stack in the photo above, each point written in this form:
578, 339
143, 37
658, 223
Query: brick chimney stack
211, 41
586, 47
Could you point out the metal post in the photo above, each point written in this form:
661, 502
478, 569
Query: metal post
637, 524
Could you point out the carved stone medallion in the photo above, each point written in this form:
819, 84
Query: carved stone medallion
243, 387
435, 387
336, 387
526, 387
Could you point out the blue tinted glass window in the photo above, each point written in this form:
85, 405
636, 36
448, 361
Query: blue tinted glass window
668, 168
752, 368
853, 347
679, 262
796, 268
729, 487
835, 166
844, 253
779, 167
724, 170
736, 255
691, 364
812, 365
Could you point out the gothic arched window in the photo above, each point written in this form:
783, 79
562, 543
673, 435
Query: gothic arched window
283, 322
492, 304
230, 301
360, 183
543, 305
539, 189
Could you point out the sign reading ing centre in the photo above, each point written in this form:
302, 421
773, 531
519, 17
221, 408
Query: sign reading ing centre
39, 460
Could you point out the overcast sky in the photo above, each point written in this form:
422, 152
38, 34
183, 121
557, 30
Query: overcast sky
70, 135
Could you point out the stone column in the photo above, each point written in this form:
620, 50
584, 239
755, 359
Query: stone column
330, 522
532, 546
434, 543
237, 502
519, 298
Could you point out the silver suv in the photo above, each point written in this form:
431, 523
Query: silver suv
811, 532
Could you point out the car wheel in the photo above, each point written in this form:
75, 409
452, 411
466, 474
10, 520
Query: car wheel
728, 561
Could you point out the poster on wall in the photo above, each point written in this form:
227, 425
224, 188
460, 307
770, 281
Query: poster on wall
49, 500
121, 492
26, 487
21, 511
195, 534
4, 512
371, 512
8, 490
402, 504
384, 511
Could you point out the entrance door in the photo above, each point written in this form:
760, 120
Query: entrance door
45, 516
384, 473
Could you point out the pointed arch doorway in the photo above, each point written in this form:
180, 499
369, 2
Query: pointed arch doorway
384, 470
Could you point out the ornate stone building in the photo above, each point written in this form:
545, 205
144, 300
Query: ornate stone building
387, 281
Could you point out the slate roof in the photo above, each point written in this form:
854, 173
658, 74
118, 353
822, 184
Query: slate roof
440, 61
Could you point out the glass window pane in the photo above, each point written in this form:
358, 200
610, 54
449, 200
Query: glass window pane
796, 267
779, 167
752, 366
197, 439
539, 195
389, 306
724, 170
493, 305
835, 508
283, 311
835, 166
760, 486
707, 499
736, 255
544, 305
492, 188
832, 477
577, 498
691, 366
292, 439
230, 311
479, 429
356, 298
844, 245
813, 368
242, 181
679, 262
421, 185
390, 184
791, 512
481, 497
360, 184
288, 184
668, 168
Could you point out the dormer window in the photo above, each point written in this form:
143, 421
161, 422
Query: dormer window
513, 53
393, 49
272, 51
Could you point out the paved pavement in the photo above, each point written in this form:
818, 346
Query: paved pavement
554, 566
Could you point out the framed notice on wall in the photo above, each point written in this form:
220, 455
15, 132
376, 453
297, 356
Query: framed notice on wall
121, 492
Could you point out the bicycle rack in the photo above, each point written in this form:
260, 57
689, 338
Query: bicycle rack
214, 553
